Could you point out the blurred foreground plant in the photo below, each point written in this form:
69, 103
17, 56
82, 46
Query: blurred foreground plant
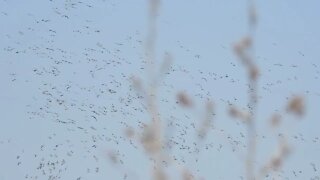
152, 138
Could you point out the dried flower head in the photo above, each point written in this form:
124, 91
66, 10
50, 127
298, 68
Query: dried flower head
151, 138
277, 159
236, 113
243, 44
296, 105
186, 175
184, 99
254, 72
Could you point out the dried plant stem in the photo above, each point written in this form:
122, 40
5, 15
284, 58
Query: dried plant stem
251, 149
151, 95
251, 130
253, 94
151, 38
150, 55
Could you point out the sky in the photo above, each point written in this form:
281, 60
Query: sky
67, 96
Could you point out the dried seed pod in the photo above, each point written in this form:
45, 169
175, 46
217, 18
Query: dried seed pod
241, 48
276, 162
254, 72
151, 139
236, 113
184, 99
186, 175
243, 44
277, 159
296, 105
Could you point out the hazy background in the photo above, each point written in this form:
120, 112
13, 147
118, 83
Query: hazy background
66, 95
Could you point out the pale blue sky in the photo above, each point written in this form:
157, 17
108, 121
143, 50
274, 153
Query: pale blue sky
78, 51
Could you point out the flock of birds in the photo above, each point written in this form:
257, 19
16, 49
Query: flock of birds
86, 94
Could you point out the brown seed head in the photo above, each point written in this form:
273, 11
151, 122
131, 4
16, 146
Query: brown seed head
296, 105
184, 99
